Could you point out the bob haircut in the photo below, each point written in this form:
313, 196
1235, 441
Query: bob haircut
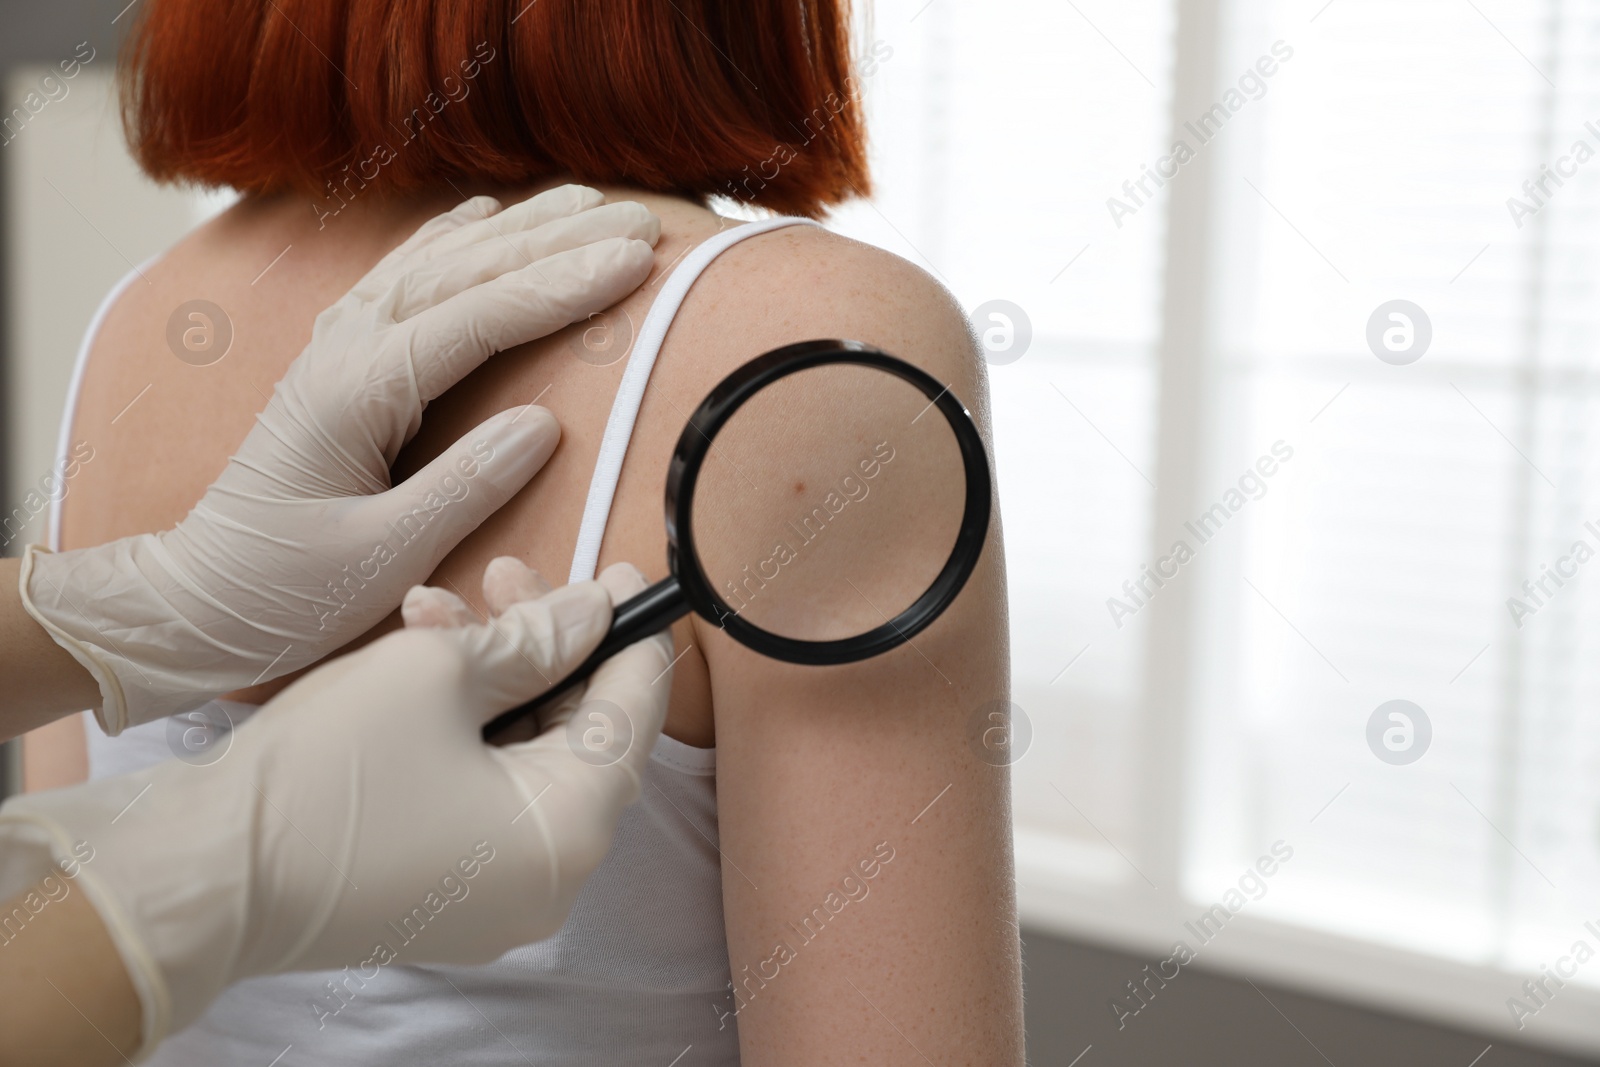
750, 99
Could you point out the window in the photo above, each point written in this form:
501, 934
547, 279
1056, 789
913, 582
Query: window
1359, 530
79, 216
1006, 202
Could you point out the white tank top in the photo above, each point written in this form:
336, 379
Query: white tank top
638, 974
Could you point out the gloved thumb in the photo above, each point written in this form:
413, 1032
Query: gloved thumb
430, 512
530, 647
624, 706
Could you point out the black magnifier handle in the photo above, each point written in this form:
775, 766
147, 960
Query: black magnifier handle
634, 619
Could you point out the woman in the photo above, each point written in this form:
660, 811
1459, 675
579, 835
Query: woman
843, 803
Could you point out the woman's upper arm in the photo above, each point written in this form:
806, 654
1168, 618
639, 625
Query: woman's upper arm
867, 882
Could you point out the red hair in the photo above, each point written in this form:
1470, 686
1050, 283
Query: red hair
753, 99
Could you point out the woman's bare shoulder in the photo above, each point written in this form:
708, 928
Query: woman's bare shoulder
267, 261
187, 354
818, 767
803, 282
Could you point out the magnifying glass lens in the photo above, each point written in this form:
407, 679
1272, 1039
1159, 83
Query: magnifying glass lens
828, 503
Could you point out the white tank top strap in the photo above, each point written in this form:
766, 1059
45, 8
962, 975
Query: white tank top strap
636, 376
70, 409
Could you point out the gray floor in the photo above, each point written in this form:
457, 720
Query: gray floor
1207, 1020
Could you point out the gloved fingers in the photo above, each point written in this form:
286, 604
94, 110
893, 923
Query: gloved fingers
444, 274
507, 581
381, 278
440, 227
550, 715
632, 688
428, 607
472, 222
639, 680
529, 214
449, 341
530, 647
601, 746
429, 513
620, 711
620, 581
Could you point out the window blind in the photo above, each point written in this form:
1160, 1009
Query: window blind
1427, 152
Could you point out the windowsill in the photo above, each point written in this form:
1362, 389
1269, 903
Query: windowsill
1081, 892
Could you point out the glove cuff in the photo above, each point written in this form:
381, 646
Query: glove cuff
152, 639
112, 714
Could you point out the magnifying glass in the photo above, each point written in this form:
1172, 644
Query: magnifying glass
825, 504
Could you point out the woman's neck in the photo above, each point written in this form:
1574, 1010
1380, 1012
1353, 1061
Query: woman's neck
361, 215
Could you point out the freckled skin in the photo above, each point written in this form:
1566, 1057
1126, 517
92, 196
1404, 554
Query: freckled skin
815, 766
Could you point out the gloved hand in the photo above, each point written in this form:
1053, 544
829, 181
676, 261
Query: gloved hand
301, 545
358, 819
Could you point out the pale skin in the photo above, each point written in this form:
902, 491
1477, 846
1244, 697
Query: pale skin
817, 767
64, 996
41, 681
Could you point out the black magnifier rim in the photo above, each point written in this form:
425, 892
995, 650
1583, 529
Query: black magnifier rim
696, 443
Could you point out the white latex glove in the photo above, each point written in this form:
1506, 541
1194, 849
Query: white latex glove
301, 545
358, 799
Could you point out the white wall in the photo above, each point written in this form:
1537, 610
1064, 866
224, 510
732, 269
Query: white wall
79, 216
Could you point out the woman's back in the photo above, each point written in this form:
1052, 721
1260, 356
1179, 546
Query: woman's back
162, 426
644, 963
